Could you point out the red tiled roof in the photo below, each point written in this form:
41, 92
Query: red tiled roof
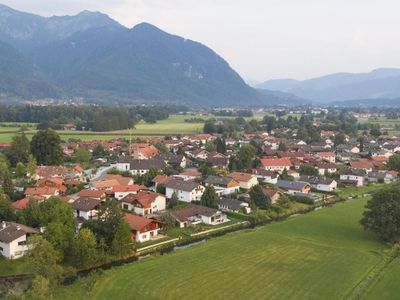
276, 162
91, 194
21, 204
137, 223
241, 176
128, 188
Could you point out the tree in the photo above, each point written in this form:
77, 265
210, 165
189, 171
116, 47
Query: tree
308, 170
46, 147
82, 156
19, 150
99, 151
6, 209
31, 166
394, 162
259, 198
40, 289
209, 127
20, 170
173, 201
246, 156
161, 189
375, 132
285, 176
339, 139
83, 250
383, 214
282, 147
220, 145
60, 236
108, 222
209, 197
43, 260
122, 242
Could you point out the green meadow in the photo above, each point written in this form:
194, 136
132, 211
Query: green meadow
320, 255
174, 125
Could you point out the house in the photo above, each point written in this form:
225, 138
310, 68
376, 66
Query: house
13, 239
45, 192
120, 191
142, 229
139, 167
226, 185
266, 176
246, 181
353, 177
120, 179
143, 151
189, 175
294, 187
196, 214
362, 164
324, 168
86, 208
323, 184
274, 195
144, 203
382, 177
276, 164
105, 185
161, 180
100, 195
233, 205
327, 156
185, 190
174, 160
50, 172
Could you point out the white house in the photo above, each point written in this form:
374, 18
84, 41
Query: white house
13, 239
246, 181
144, 203
138, 166
196, 214
276, 164
225, 184
323, 184
353, 177
121, 191
86, 208
187, 191
142, 229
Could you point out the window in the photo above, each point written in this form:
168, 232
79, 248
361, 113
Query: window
126, 206
23, 243
1, 249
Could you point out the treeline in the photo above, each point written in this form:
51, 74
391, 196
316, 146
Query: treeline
94, 118
233, 113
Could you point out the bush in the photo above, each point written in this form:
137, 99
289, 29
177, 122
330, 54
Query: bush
302, 199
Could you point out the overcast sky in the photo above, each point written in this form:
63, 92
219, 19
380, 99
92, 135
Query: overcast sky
264, 39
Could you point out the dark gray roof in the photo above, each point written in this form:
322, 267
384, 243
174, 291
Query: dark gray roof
85, 204
10, 231
218, 180
354, 172
171, 158
316, 179
181, 185
231, 204
291, 185
146, 164
266, 173
193, 210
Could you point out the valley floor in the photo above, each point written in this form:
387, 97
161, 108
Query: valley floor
320, 255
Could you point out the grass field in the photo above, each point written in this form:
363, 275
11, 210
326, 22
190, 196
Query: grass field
321, 255
388, 287
175, 124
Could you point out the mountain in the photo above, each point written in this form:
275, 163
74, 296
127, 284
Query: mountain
27, 31
18, 77
377, 84
92, 56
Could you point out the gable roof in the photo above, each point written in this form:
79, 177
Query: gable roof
10, 231
181, 185
86, 204
143, 198
218, 180
92, 194
291, 185
120, 179
191, 210
276, 162
238, 176
137, 223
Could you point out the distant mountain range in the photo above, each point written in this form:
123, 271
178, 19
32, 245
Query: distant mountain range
378, 84
92, 56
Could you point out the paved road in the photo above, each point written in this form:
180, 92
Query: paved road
101, 172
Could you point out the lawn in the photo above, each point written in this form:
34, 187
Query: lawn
388, 287
320, 255
14, 267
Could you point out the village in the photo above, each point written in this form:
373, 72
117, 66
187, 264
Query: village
172, 186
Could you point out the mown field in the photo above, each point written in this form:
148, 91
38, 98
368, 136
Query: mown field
321, 255
175, 124
384, 123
